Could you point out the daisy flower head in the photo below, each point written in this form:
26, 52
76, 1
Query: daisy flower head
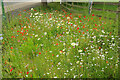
79, 50
36, 35
73, 44
45, 33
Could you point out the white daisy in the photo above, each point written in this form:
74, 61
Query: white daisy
64, 44
77, 62
38, 38
73, 44
68, 17
57, 55
45, 33
67, 32
31, 8
26, 75
55, 77
30, 70
36, 35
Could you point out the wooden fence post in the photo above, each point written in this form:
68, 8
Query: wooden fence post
72, 6
90, 6
3, 14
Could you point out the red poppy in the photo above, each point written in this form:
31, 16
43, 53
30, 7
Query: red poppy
22, 34
11, 47
11, 69
84, 26
52, 54
77, 28
61, 51
80, 21
87, 30
95, 24
80, 66
12, 37
93, 15
110, 33
71, 24
70, 13
79, 16
39, 53
27, 72
57, 44
83, 32
84, 16
3, 42
99, 17
99, 47
19, 14
17, 31
79, 31
106, 61
28, 19
34, 10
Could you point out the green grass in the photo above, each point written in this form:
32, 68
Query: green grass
46, 46
98, 6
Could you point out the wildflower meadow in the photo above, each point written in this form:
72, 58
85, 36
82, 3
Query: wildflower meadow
51, 43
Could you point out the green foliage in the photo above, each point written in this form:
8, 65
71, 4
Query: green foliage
46, 46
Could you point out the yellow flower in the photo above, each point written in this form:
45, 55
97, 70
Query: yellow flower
68, 17
36, 35
77, 62
79, 50
57, 26
60, 52
68, 60
67, 32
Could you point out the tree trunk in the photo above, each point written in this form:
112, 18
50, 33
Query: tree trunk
44, 2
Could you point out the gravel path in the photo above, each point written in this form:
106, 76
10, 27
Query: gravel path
20, 5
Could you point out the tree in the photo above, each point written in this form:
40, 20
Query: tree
44, 2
